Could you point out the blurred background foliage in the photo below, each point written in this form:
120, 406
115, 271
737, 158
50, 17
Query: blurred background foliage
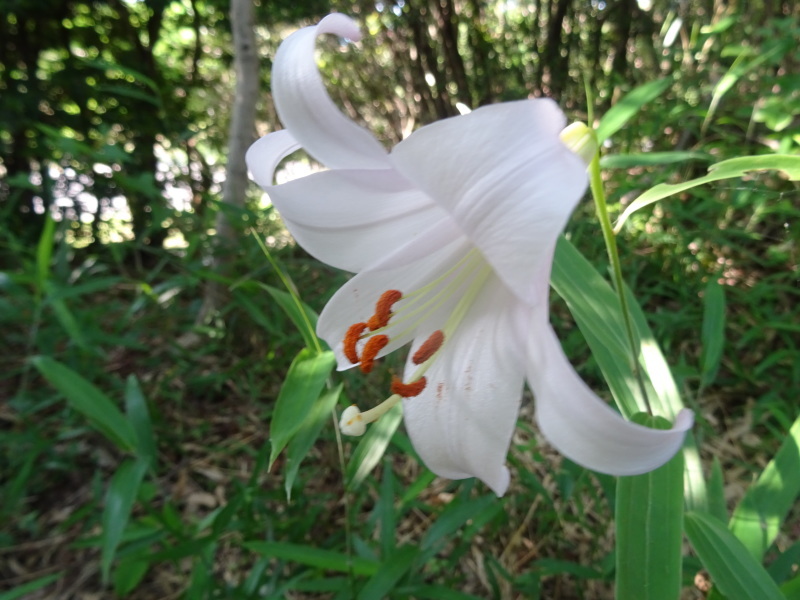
114, 136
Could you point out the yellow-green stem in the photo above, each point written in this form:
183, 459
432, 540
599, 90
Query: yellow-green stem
596, 184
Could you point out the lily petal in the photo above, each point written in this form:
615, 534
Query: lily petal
355, 301
351, 219
461, 424
508, 181
305, 108
266, 153
583, 427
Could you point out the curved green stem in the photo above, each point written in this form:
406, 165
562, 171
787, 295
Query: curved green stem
596, 184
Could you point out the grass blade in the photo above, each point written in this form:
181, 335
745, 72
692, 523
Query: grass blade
624, 110
25, 589
121, 496
713, 332
758, 518
736, 573
84, 397
390, 572
315, 557
139, 416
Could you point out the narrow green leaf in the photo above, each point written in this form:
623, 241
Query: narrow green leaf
390, 572
67, 320
758, 518
649, 159
315, 557
308, 433
716, 493
790, 589
121, 496
784, 566
372, 446
305, 320
385, 509
733, 569
25, 589
624, 110
649, 525
139, 416
301, 388
44, 252
439, 592
129, 575
727, 169
454, 516
596, 309
713, 332
84, 397
737, 70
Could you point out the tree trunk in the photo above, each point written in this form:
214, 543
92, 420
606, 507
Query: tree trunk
240, 136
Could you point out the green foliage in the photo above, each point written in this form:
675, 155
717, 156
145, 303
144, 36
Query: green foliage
735, 571
649, 528
137, 440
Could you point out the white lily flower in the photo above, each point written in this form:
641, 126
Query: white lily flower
451, 236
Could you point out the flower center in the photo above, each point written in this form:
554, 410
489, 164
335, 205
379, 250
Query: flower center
397, 315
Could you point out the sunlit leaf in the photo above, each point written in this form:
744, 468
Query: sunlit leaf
627, 108
757, 519
649, 526
727, 169
302, 442
300, 389
736, 573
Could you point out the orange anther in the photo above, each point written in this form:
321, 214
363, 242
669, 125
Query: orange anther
383, 309
374, 345
351, 339
408, 390
428, 347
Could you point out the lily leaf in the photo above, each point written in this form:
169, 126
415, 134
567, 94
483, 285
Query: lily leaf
736, 573
649, 525
727, 169
301, 388
84, 397
758, 518
624, 110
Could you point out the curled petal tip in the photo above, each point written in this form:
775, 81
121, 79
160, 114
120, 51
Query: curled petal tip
583, 427
341, 25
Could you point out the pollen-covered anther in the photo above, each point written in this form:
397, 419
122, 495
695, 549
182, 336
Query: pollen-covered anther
408, 390
351, 339
428, 348
374, 345
383, 309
